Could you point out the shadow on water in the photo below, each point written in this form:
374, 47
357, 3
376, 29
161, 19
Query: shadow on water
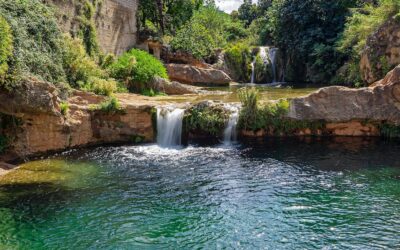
326, 153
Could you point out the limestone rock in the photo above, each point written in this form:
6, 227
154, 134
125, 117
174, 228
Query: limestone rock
172, 88
194, 75
341, 104
30, 96
115, 22
43, 128
382, 52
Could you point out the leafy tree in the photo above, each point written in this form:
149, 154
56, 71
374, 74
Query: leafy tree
306, 31
37, 40
166, 15
208, 29
248, 12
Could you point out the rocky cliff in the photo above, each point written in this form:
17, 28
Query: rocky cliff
115, 21
42, 127
382, 51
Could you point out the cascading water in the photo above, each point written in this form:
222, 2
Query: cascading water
253, 66
268, 55
230, 133
169, 126
272, 57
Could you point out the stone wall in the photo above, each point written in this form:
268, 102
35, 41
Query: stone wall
115, 22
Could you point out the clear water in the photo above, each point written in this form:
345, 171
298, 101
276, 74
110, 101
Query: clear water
275, 194
229, 94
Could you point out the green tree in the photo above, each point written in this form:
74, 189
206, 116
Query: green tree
248, 12
306, 31
208, 29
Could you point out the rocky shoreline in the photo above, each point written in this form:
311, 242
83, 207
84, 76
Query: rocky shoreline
43, 128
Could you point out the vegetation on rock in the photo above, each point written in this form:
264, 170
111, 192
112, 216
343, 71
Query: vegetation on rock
270, 116
37, 43
137, 68
6, 45
238, 58
208, 120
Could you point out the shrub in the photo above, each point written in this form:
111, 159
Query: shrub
210, 120
101, 86
78, 65
136, 68
64, 107
6, 46
37, 40
110, 106
270, 116
238, 58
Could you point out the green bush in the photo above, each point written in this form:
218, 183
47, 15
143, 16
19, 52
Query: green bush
101, 86
64, 107
83, 72
270, 116
209, 120
6, 45
79, 67
238, 58
137, 68
110, 106
37, 40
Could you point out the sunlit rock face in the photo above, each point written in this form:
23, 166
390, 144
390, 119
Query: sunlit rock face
42, 127
340, 104
194, 75
115, 22
382, 52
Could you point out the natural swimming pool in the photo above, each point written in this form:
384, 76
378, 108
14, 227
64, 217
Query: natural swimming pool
276, 194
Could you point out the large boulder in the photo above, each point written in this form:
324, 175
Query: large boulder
29, 96
382, 52
172, 88
341, 104
195, 75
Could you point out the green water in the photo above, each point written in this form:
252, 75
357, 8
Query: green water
275, 194
229, 94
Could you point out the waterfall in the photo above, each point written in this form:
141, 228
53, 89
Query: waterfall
169, 126
253, 66
272, 57
230, 133
268, 55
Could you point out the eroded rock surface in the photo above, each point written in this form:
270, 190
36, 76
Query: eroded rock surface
194, 75
382, 51
172, 87
341, 104
43, 128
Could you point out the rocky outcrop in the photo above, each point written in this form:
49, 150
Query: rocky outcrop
172, 88
194, 75
382, 52
43, 128
115, 22
181, 57
380, 103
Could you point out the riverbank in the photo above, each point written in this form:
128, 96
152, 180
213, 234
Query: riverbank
42, 123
